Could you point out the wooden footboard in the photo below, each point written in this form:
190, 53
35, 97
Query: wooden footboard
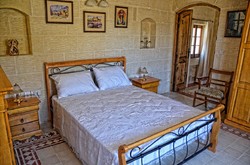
212, 139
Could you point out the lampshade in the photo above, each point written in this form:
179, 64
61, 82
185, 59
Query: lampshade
144, 71
103, 3
91, 3
16, 89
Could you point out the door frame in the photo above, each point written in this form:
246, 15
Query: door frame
176, 36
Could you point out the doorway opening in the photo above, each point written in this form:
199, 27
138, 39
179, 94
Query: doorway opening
194, 47
195, 53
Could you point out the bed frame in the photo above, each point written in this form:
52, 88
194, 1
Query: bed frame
53, 68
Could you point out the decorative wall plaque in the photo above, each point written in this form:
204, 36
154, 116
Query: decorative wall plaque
13, 47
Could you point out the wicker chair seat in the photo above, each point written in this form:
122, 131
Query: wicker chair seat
212, 92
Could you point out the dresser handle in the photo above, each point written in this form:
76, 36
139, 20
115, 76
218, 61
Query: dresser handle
23, 129
21, 120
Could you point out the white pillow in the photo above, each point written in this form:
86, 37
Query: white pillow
110, 77
74, 83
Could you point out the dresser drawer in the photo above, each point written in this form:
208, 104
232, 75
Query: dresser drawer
24, 128
23, 118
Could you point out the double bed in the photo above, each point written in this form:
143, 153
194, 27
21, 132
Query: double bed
124, 124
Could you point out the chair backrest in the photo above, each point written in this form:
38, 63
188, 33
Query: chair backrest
220, 78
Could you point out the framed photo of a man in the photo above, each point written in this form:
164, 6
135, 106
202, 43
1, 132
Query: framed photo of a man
121, 17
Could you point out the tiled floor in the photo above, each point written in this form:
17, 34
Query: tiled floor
231, 149
58, 155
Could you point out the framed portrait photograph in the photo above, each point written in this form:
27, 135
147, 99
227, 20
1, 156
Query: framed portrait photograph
94, 21
121, 17
59, 11
235, 23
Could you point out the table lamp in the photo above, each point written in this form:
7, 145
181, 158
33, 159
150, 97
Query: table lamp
143, 72
17, 91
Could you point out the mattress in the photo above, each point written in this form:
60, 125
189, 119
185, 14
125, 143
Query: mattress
97, 123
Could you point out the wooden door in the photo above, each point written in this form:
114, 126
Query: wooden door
182, 48
239, 110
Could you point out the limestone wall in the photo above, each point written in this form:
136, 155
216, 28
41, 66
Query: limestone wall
60, 42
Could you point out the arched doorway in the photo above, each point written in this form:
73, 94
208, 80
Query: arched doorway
194, 44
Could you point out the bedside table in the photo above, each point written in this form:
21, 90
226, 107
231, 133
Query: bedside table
150, 84
23, 118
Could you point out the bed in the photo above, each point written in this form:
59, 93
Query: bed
125, 124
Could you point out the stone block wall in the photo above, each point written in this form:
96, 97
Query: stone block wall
61, 42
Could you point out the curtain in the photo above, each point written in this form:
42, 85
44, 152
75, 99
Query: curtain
205, 63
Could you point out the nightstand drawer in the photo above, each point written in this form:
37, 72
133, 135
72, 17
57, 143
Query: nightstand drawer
152, 89
24, 128
150, 85
23, 118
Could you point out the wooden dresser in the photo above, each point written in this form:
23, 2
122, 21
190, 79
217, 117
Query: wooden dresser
149, 83
23, 118
239, 109
6, 148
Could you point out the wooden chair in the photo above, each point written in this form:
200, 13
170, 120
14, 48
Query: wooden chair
216, 89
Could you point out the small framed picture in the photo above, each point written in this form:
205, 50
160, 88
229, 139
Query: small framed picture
94, 21
235, 23
121, 17
59, 11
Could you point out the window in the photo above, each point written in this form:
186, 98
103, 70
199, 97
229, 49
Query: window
196, 41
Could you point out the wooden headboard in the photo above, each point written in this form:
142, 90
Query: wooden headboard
63, 67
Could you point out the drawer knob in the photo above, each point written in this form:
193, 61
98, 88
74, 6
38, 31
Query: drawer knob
22, 120
23, 129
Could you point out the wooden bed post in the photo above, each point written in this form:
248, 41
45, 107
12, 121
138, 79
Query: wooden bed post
215, 129
121, 154
48, 88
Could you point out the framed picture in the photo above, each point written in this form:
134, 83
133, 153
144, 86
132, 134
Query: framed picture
235, 23
121, 17
94, 21
59, 11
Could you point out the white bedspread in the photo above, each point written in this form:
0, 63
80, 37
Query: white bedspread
96, 124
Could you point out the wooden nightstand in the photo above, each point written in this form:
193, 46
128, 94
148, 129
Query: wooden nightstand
23, 118
150, 84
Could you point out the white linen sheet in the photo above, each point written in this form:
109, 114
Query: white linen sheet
96, 124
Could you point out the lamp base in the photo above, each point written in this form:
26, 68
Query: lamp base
18, 100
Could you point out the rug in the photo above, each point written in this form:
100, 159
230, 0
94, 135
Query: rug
235, 131
25, 150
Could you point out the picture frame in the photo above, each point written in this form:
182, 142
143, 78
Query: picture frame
121, 17
235, 23
59, 11
94, 21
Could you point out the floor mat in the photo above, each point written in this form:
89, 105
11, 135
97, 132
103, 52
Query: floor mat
25, 150
235, 131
